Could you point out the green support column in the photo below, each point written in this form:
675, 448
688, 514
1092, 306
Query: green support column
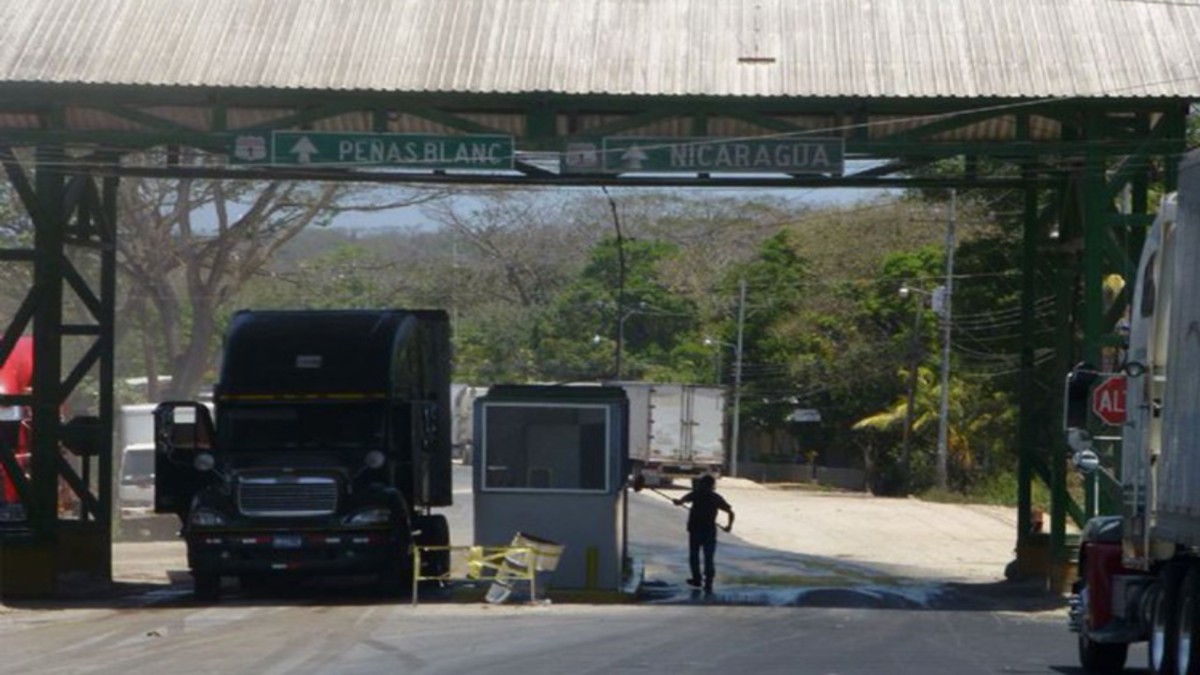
1095, 230
106, 227
49, 240
1028, 397
68, 211
1026, 431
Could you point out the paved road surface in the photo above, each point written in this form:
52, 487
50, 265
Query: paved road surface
775, 611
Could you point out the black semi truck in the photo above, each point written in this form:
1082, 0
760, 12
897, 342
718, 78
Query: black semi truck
329, 448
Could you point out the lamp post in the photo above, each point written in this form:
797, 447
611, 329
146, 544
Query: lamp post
737, 400
914, 360
620, 346
621, 337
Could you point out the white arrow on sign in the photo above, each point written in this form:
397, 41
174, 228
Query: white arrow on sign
633, 157
303, 150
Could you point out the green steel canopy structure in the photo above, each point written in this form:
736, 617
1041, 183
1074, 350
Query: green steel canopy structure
1081, 104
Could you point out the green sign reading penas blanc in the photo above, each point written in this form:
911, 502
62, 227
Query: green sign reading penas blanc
414, 151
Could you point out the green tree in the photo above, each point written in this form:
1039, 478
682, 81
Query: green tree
618, 296
774, 334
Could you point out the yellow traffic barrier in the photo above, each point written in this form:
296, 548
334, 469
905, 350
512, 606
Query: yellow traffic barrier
497, 564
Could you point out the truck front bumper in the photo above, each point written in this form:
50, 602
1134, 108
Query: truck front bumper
358, 551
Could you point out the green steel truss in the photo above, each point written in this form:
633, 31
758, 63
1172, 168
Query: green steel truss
1074, 160
68, 305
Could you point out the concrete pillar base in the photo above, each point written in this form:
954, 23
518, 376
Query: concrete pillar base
27, 569
33, 568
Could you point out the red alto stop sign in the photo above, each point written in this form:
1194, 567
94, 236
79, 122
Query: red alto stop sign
1108, 400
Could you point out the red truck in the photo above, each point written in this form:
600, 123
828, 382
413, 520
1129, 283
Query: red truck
16, 376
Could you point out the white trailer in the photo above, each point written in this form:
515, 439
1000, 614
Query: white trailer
675, 429
1139, 573
462, 430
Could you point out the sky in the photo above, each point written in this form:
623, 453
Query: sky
413, 217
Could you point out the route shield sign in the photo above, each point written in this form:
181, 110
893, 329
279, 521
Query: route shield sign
412, 151
628, 154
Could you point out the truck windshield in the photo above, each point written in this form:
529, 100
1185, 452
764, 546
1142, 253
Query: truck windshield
316, 425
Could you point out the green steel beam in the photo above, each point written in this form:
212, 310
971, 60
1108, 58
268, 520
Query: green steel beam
50, 185
145, 119
1093, 131
1031, 241
68, 210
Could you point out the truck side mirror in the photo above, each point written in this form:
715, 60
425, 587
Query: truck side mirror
1078, 395
1079, 440
1084, 458
1086, 461
1134, 369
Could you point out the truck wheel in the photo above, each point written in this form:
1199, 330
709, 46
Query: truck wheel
1101, 657
1163, 647
1187, 660
206, 587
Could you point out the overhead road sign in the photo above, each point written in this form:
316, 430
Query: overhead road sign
410, 151
630, 154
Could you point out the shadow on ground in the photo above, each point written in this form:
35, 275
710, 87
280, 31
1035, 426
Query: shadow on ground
748, 575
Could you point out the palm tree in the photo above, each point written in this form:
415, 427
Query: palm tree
926, 402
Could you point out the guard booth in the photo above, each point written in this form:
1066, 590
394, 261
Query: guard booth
550, 463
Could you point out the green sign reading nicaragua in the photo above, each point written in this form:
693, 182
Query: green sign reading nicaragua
627, 154
413, 151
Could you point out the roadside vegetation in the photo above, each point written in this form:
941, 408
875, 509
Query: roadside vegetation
542, 286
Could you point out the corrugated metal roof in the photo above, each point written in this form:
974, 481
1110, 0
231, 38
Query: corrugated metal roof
767, 48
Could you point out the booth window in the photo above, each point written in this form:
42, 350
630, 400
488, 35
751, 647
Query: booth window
532, 447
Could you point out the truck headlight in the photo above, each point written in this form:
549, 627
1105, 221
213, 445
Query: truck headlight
203, 516
374, 515
374, 459
10, 413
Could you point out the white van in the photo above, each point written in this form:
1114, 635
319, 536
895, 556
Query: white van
136, 492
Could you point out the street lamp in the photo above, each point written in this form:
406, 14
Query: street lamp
622, 317
737, 400
621, 333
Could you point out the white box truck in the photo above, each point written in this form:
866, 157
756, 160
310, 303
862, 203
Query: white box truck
1139, 572
675, 429
135, 492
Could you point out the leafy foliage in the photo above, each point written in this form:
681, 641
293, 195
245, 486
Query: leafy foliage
540, 290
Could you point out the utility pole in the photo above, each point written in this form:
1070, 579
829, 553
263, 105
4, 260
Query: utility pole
621, 316
947, 294
737, 380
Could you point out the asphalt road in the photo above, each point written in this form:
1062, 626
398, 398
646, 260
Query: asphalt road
293, 635
764, 618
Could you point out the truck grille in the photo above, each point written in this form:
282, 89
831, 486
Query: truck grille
288, 496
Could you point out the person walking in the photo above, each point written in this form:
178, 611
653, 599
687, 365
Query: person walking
702, 527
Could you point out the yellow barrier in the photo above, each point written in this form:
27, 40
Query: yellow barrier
503, 564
